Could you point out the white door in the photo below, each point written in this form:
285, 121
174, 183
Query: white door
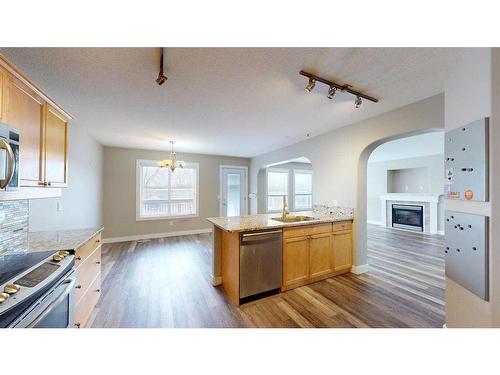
233, 199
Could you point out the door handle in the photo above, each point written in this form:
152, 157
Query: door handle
10, 163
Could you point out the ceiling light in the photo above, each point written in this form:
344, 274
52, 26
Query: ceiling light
333, 87
172, 163
331, 92
357, 102
310, 85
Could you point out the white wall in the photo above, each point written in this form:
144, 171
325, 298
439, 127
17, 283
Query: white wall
378, 181
120, 192
342, 156
81, 202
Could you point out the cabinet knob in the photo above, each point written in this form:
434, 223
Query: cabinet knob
98, 262
78, 258
77, 325
49, 183
98, 290
78, 287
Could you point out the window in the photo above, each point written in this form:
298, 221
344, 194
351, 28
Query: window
277, 186
302, 190
162, 193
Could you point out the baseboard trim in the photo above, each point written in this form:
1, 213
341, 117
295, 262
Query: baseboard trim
358, 270
216, 280
376, 223
153, 236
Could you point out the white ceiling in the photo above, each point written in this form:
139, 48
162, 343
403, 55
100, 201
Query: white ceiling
231, 101
409, 147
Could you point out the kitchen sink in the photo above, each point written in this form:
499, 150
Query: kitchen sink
294, 218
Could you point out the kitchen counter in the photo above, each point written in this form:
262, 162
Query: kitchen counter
309, 251
54, 240
66, 239
265, 221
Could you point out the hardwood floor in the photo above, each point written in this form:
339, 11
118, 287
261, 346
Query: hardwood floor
166, 283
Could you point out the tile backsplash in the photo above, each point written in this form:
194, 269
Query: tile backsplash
333, 210
13, 224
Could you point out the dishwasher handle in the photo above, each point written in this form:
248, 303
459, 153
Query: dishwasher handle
247, 238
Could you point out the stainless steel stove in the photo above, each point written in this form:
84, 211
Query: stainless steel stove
37, 289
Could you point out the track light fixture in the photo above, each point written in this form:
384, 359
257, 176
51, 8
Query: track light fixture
311, 84
358, 102
333, 87
331, 92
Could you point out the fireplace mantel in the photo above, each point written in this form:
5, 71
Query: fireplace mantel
407, 197
428, 199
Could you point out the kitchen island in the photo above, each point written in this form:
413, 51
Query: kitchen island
317, 247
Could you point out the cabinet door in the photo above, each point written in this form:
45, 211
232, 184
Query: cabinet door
56, 145
25, 113
295, 260
2, 84
320, 253
342, 251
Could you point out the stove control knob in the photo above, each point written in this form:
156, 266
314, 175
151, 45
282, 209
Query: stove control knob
63, 253
3, 297
57, 258
11, 288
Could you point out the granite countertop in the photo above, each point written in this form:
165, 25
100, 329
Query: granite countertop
56, 240
264, 221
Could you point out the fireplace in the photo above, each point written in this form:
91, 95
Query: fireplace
408, 217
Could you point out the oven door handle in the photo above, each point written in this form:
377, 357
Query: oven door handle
4, 145
71, 283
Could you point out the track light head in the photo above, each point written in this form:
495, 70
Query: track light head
358, 102
310, 85
331, 92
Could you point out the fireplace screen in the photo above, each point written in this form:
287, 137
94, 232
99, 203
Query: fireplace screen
408, 217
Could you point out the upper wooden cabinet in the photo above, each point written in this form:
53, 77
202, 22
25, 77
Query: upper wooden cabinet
25, 113
56, 149
43, 127
2, 75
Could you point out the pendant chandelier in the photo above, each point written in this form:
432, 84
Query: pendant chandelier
172, 163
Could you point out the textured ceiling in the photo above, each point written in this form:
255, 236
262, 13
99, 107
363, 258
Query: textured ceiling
410, 147
231, 101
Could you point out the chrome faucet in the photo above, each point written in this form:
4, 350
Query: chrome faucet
285, 208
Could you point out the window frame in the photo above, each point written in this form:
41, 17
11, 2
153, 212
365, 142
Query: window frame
280, 170
138, 197
303, 171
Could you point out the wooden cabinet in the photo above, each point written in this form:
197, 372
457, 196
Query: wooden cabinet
2, 104
43, 126
315, 252
88, 279
320, 254
25, 113
295, 260
342, 251
56, 149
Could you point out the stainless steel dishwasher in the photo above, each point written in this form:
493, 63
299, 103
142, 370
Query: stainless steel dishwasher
260, 262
